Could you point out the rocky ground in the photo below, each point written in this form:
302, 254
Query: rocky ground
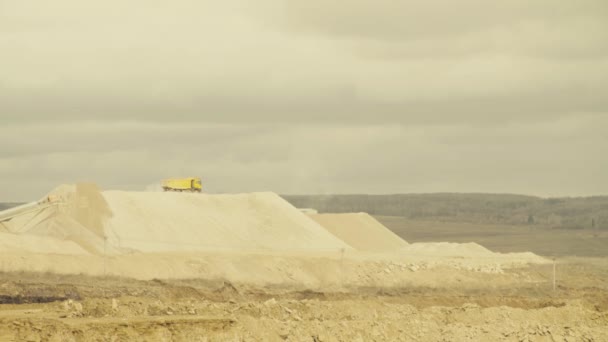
518, 304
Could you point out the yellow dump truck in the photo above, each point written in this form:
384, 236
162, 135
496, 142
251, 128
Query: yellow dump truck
191, 184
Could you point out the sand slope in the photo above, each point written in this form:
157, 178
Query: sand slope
160, 222
10, 243
361, 231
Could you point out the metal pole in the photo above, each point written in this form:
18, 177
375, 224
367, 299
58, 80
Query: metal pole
342, 273
553, 274
105, 239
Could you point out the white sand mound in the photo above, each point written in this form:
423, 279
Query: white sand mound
470, 249
159, 222
361, 231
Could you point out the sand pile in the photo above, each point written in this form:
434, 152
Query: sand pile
81, 219
250, 238
114, 222
155, 222
361, 231
470, 249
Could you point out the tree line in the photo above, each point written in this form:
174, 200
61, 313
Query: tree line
567, 213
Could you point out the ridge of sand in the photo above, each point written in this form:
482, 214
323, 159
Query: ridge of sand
166, 221
361, 231
447, 249
463, 250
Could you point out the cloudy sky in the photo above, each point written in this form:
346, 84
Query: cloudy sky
315, 96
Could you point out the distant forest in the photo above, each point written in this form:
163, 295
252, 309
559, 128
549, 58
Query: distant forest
566, 213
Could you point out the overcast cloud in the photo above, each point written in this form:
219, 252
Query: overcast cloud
312, 96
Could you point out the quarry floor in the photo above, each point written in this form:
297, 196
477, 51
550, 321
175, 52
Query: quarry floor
517, 305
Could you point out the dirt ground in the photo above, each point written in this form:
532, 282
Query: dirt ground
518, 304
333, 295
